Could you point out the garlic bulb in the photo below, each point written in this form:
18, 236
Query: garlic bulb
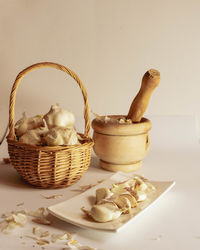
58, 117
61, 136
31, 137
26, 123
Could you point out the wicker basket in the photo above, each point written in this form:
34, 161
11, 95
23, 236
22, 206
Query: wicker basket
49, 166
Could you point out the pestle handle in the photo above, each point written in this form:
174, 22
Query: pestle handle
150, 81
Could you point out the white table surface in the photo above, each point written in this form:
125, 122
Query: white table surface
173, 223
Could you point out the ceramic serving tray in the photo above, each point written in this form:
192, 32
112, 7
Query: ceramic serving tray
70, 210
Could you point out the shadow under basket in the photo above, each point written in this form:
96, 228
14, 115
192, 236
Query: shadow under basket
50, 166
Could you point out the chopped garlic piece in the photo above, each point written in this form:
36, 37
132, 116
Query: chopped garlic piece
55, 237
42, 221
12, 221
40, 232
42, 242
20, 219
40, 212
20, 204
52, 196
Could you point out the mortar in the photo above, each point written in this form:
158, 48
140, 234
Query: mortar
122, 146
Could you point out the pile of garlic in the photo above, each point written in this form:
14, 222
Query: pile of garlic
53, 129
120, 199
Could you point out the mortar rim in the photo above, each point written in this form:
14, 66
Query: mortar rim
132, 129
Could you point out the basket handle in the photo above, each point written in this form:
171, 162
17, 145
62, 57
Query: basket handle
18, 79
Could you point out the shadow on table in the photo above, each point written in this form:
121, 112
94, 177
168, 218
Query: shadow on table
10, 177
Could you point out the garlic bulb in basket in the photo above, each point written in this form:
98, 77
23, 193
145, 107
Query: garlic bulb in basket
33, 136
61, 136
58, 117
25, 124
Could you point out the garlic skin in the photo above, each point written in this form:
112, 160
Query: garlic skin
61, 136
58, 117
25, 124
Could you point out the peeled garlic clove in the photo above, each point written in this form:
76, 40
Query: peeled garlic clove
131, 199
127, 183
139, 184
123, 203
140, 196
58, 117
150, 186
102, 193
118, 189
105, 212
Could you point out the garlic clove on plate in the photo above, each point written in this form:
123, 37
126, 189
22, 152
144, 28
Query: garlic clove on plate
131, 199
58, 117
140, 195
123, 203
103, 193
140, 185
105, 212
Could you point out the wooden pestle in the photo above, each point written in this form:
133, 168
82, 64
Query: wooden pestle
150, 81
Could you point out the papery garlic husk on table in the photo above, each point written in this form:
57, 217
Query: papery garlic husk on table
25, 124
61, 136
58, 117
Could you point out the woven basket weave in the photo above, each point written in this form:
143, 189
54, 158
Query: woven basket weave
49, 166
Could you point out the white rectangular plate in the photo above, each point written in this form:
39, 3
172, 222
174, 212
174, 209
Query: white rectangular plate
70, 210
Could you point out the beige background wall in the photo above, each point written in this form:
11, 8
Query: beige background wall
109, 44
